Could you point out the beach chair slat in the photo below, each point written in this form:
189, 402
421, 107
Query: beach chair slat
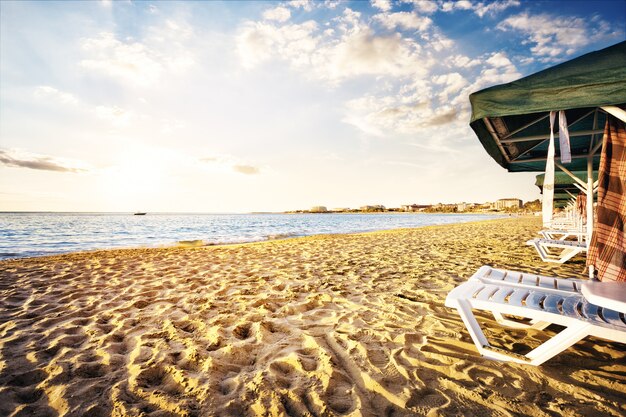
518, 297
570, 308
501, 295
535, 300
545, 282
612, 317
529, 279
566, 284
486, 293
495, 274
551, 303
591, 312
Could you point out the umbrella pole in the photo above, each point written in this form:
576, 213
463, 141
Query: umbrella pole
590, 204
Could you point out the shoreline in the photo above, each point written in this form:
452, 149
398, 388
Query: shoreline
281, 236
337, 325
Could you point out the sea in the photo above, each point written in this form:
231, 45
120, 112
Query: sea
37, 234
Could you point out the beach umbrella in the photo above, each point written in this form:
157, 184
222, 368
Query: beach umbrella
565, 187
513, 121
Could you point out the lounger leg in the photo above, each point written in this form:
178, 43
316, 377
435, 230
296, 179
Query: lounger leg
568, 254
534, 324
545, 256
465, 311
558, 343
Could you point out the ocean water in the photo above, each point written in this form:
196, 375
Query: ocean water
37, 234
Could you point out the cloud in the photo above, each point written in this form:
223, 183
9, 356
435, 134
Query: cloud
348, 49
424, 6
279, 14
479, 8
140, 62
131, 61
117, 116
246, 169
17, 159
228, 162
384, 5
306, 5
493, 8
499, 59
554, 36
403, 20
258, 42
47, 92
462, 61
453, 84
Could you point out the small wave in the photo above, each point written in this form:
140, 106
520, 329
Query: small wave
191, 243
281, 236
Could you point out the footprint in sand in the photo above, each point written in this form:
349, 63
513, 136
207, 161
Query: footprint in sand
340, 393
283, 373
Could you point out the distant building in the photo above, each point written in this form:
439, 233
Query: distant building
318, 209
462, 206
414, 207
378, 207
505, 203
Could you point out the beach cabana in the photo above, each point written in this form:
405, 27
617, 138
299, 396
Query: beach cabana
512, 121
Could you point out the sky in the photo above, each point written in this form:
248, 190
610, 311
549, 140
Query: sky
267, 106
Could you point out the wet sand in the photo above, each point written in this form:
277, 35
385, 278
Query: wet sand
342, 325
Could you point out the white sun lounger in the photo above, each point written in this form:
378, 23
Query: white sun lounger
543, 301
558, 251
563, 234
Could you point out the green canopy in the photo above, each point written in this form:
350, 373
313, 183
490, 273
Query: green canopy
564, 184
562, 181
512, 120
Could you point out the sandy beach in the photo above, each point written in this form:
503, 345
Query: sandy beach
342, 325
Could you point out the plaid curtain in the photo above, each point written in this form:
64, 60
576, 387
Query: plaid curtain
607, 250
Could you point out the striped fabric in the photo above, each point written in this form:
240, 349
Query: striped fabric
607, 251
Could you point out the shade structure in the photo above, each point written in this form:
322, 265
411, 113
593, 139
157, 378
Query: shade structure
512, 120
564, 184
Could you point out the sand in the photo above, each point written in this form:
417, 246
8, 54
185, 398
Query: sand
344, 325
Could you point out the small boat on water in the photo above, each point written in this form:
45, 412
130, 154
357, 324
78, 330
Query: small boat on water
140, 214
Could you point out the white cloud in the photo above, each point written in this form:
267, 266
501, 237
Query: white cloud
132, 61
229, 163
384, 5
453, 84
258, 42
306, 5
462, 61
499, 59
492, 8
403, 20
113, 114
47, 92
424, 6
479, 8
555, 36
279, 14
140, 62
352, 49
